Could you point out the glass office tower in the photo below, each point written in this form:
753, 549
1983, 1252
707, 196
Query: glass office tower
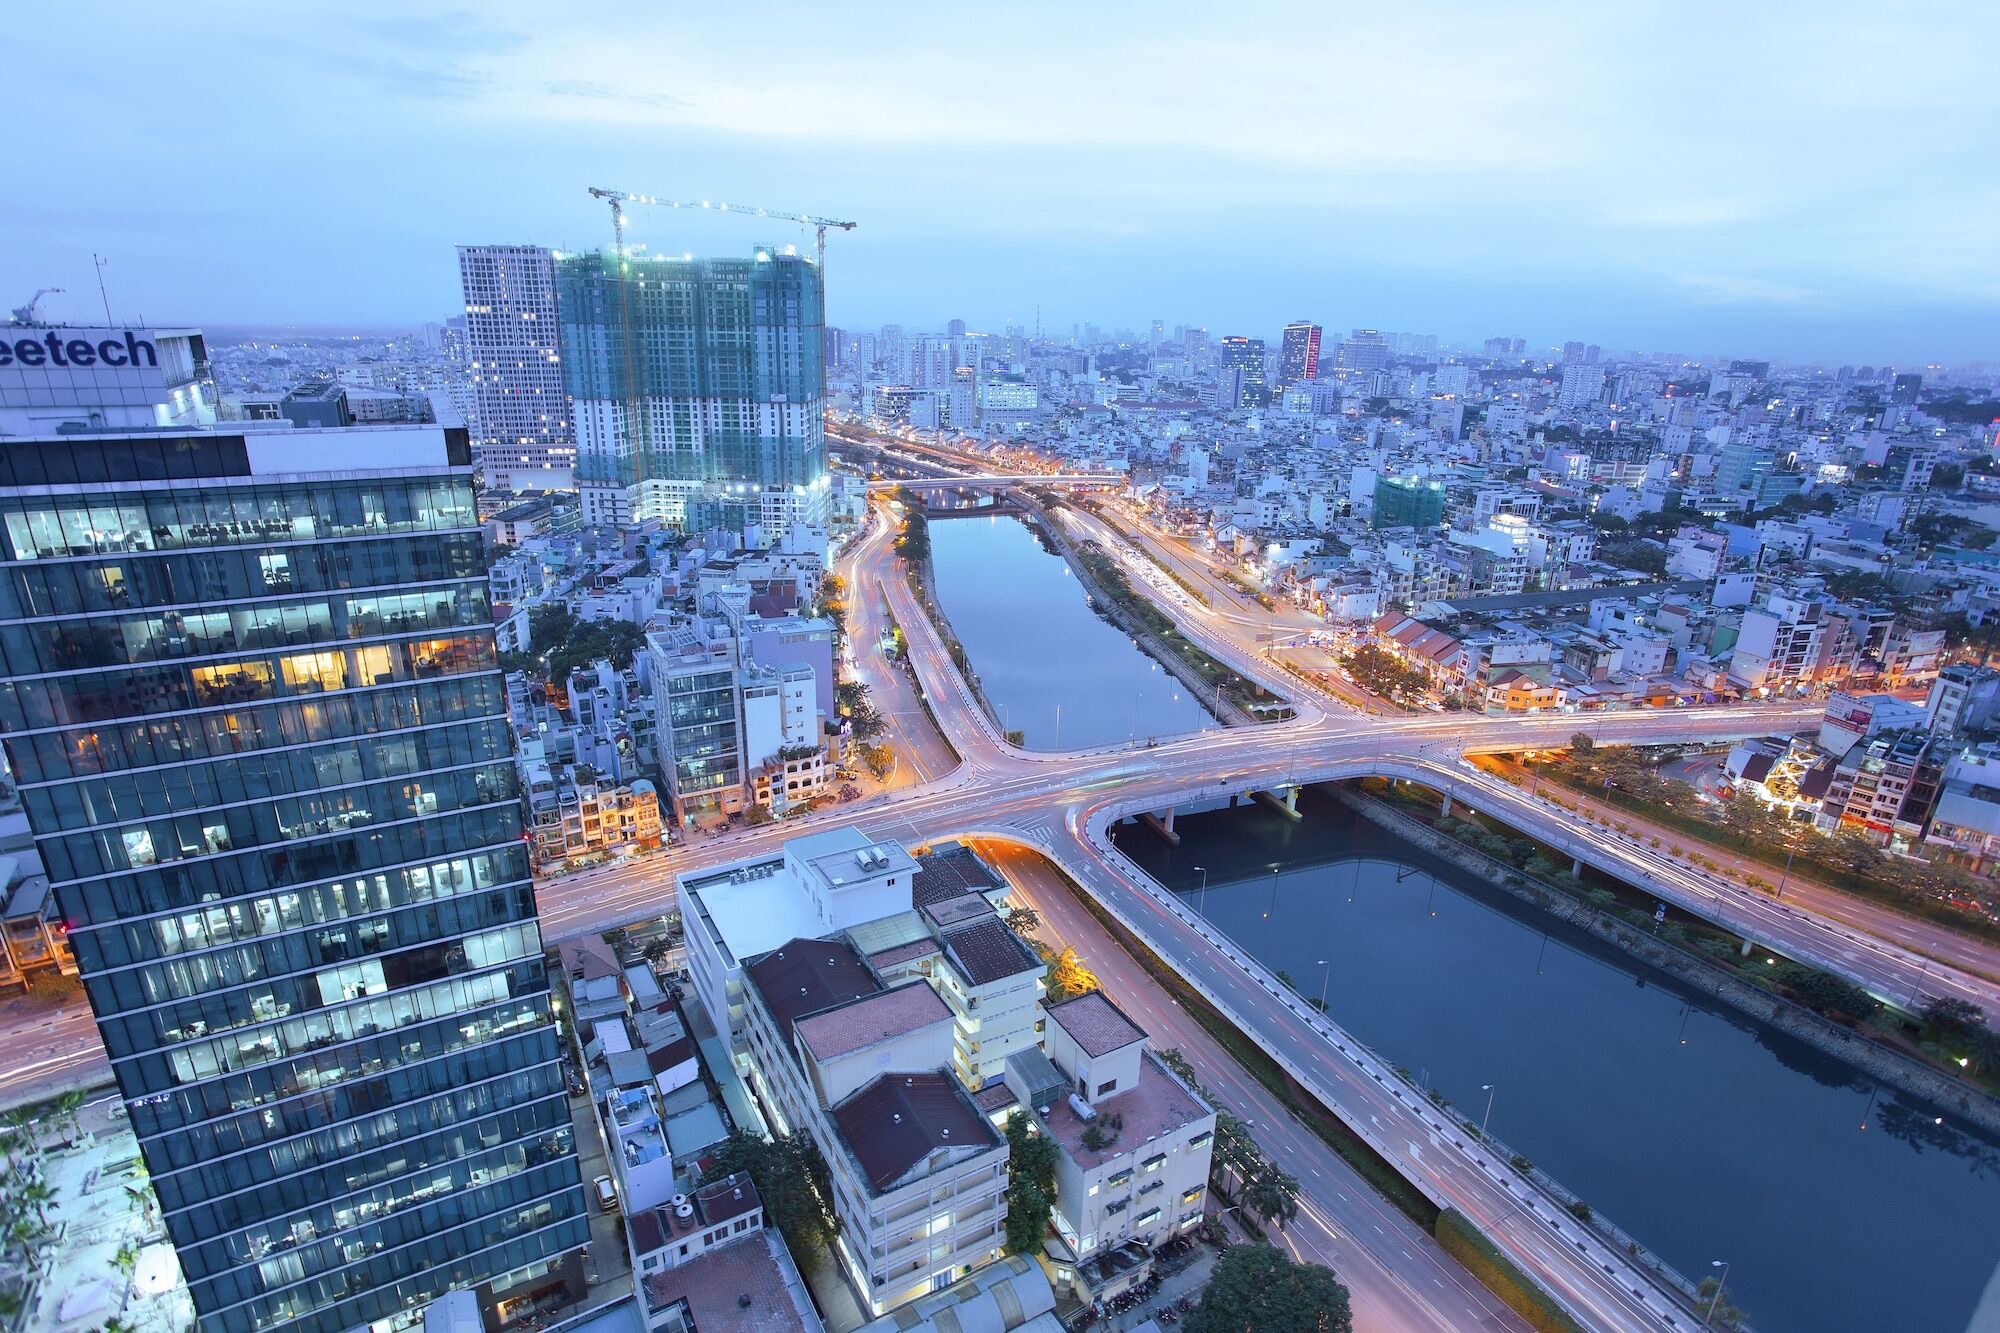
251, 701
1246, 356
696, 386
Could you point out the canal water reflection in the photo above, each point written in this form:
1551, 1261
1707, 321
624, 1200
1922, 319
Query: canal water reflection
1051, 666
1703, 1133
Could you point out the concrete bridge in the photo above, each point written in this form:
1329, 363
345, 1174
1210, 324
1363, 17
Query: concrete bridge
1003, 481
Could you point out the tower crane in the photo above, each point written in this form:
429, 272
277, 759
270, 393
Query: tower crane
619, 198
25, 314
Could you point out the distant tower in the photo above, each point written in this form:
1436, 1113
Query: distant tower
1365, 349
1246, 356
1298, 354
523, 431
956, 328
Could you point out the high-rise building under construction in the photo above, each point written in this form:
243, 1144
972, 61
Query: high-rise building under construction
696, 386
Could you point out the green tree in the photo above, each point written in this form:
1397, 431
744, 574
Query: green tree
68, 1115
879, 758
1235, 1153
1258, 1289
1272, 1195
1952, 1020
1823, 991
1031, 1184
914, 545
549, 624
1726, 1315
792, 1180
1068, 977
1023, 919
852, 699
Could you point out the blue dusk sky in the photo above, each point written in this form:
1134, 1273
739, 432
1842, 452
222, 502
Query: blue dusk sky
1812, 180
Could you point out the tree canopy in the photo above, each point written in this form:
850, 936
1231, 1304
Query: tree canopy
1258, 1289
1031, 1185
793, 1181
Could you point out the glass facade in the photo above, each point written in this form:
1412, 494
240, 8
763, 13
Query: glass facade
695, 370
704, 748
263, 749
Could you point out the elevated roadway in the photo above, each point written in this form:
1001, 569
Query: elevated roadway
1062, 804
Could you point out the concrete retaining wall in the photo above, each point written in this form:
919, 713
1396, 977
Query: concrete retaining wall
1885, 1063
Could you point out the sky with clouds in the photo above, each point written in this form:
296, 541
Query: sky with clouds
1813, 181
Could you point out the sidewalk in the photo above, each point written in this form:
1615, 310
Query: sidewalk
1189, 1281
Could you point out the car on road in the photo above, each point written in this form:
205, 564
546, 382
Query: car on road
607, 1193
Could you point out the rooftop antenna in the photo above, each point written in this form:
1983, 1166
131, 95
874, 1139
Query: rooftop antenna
104, 295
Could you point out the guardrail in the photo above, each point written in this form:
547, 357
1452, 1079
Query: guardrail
1532, 1203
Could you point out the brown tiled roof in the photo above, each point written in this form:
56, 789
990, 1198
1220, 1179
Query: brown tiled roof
803, 976
894, 1123
988, 951
995, 1096
1095, 1024
947, 874
647, 1232
870, 1019
723, 1199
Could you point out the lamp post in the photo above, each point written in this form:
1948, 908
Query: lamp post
1202, 903
1720, 1283
1780, 895
1325, 976
1488, 1089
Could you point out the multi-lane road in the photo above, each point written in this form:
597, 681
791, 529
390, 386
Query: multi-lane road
1062, 804
1395, 1273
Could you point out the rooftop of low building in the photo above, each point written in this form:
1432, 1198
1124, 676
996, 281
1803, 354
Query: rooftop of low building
894, 1124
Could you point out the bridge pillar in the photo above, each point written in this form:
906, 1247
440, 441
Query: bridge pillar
1288, 808
1576, 866
1168, 818
1447, 806
1161, 827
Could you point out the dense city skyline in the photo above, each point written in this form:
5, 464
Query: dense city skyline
1199, 664
1805, 185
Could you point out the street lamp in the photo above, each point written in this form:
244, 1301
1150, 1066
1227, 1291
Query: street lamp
1488, 1089
1720, 1283
1326, 975
1202, 903
1780, 895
